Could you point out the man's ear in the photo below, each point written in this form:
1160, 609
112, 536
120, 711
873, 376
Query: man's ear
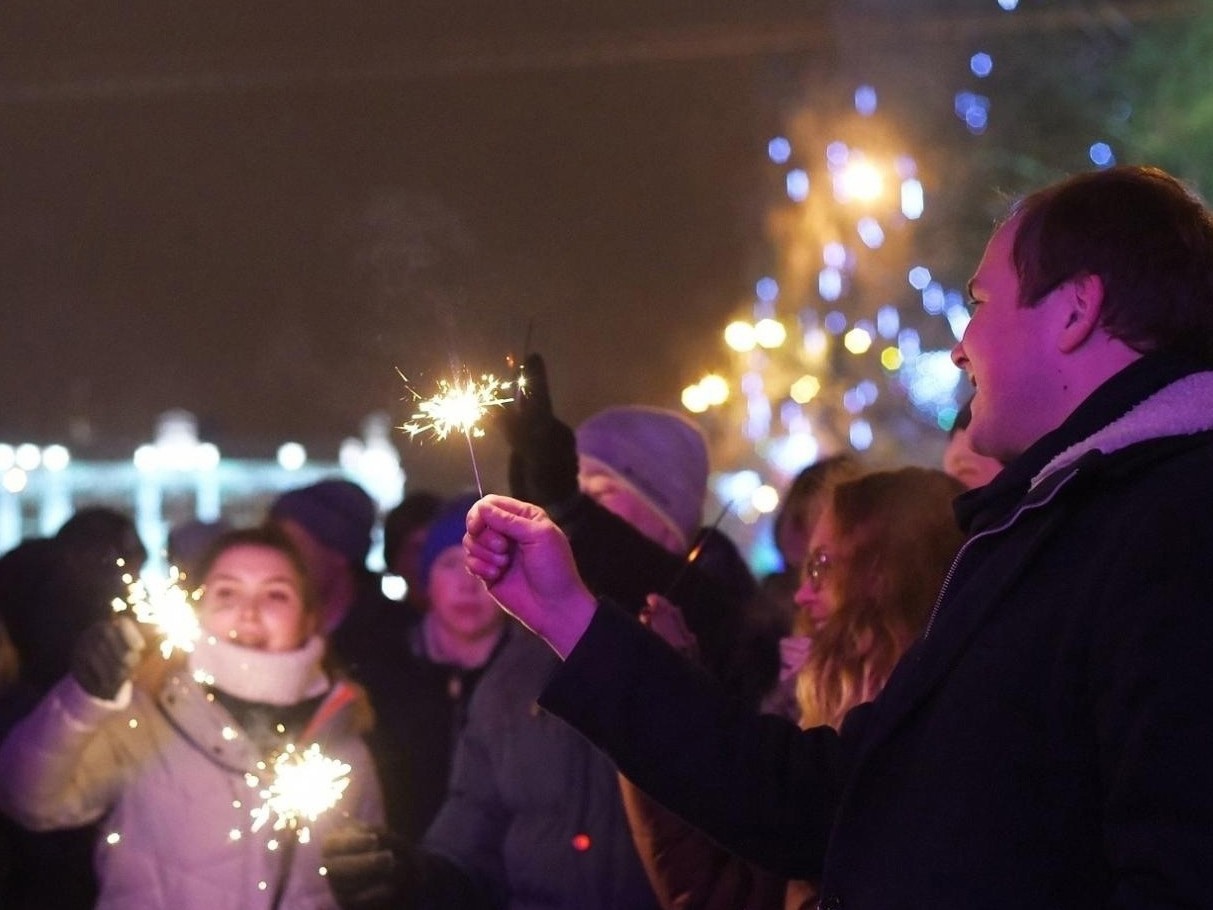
1085, 306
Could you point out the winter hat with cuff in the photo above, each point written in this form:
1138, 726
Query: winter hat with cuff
658, 453
338, 513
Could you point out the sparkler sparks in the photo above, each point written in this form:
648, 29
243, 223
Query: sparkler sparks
163, 602
458, 407
306, 784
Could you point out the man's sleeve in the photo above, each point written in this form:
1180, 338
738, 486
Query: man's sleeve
759, 785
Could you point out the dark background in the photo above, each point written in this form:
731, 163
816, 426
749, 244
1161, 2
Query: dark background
259, 216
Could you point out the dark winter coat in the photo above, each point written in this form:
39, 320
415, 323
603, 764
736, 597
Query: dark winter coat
1048, 743
534, 814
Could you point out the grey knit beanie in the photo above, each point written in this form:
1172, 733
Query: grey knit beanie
660, 453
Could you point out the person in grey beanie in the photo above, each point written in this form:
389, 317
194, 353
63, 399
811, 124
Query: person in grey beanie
534, 816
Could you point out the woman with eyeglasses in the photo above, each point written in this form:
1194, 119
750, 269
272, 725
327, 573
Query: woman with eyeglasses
877, 559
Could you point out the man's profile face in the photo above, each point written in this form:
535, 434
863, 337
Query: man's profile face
1008, 354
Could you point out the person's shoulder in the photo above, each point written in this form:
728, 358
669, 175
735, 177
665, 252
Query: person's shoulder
517, 672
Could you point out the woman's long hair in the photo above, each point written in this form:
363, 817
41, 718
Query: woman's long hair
896, 538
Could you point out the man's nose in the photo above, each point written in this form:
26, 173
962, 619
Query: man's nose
959, 357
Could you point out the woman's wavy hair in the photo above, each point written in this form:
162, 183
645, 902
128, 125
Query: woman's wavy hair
897, 537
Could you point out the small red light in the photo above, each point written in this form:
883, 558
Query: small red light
581, 842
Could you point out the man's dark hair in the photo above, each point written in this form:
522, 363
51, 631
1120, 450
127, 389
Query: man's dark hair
1146, 235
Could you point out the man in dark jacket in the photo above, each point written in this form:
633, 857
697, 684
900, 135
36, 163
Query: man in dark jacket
1048, 742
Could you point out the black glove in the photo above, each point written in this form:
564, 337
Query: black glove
543, 451
105, 655
366, 869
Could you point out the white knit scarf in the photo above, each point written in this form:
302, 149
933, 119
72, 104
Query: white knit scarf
269, 677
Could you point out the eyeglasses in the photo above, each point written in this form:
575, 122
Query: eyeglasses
816, 567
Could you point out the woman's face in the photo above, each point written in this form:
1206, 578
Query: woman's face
459, 601
253, 597
818, 593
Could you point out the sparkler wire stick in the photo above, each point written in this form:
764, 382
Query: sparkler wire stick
700, 540
457, 406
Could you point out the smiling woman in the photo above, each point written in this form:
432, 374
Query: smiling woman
170, 769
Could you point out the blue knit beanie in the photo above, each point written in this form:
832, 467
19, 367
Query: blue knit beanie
338, 513
446, 530
660, 453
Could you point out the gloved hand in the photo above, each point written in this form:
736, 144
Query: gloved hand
106, 654
543, 451
366, 869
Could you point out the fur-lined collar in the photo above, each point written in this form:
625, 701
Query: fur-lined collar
1183, 408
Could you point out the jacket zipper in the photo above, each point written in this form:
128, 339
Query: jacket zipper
1010, 520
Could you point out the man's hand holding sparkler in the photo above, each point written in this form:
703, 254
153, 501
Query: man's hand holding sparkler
526, 562
543, 450
105, 656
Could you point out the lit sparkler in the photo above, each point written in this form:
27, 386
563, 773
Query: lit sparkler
306, 784
458, 407
167, 604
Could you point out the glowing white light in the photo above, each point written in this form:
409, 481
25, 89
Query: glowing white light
765, 499
870, 232
739, 336
805, 389
1008, 5
797, 184
8, 456
15, 480
834, 254
912, 201
113, 837
716, 388
147, 458
958, 319
736, 486
779, 150
859, 181
815, 343
206, 456
56, 458
694, 399
1101, 154
865, 100
829, 283
857, 341
393, 586
909, 343
931, 378
888, 321
794, 451
919, 277
861, 435
933, 299
291, 456
770, 333
852, 400
28, 456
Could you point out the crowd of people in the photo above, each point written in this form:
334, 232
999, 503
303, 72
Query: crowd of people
982, 684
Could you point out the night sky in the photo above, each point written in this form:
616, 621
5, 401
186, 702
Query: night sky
260, 224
